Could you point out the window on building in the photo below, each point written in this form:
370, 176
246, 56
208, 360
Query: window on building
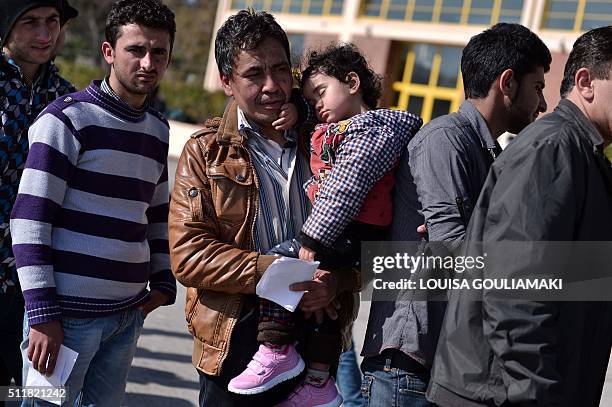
296, 44
430, 84
577, 15
480, 12
310, 7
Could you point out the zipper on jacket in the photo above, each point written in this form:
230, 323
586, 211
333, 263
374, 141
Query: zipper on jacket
239, 303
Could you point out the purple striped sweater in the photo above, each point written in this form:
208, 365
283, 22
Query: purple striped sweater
89, 224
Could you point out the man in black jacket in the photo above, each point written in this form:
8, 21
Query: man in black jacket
551, 186
438, 182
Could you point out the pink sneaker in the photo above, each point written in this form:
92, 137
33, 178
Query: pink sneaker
266, 370
307, 395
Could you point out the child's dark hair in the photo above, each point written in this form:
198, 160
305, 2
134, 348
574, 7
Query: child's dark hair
338, 60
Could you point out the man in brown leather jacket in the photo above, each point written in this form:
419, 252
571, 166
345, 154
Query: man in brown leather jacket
238, 192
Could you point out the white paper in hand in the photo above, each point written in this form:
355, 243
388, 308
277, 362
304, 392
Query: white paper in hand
66, 359
284, 271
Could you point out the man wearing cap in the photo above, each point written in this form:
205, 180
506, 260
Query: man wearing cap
69, 13
28, 82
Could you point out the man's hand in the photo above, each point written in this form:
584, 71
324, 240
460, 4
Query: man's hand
44, 345
422, 229
319, 293
287, 118
307, 254
330, 310
156, 299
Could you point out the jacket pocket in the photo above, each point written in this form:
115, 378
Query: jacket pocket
196, 198
195, 204
464, 207
193, 296
211, 317
236, 172
232, 187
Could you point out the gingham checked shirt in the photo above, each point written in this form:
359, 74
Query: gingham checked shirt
372, 146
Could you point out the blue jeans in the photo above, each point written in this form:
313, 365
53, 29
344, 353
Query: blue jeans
106, 347
213, 389
393, 387
349, 379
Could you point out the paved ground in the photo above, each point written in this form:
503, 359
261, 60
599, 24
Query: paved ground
162, 374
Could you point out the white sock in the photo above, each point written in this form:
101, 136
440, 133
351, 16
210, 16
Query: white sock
316, 377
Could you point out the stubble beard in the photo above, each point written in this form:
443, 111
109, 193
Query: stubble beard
25, 58
518, 119
134, 88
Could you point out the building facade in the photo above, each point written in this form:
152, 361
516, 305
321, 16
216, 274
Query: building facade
416, 44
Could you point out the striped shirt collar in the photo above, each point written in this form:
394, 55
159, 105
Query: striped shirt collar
283, 204
249, 127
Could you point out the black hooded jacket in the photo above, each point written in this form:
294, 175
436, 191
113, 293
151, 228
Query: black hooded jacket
551, 185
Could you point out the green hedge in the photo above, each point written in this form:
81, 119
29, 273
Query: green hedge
79, 74
184, 101
190, 98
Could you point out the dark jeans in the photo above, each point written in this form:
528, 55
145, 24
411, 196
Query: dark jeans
243, 345
349, 379
392, 387
11, 328
214, 393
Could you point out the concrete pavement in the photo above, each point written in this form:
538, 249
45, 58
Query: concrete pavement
162, 374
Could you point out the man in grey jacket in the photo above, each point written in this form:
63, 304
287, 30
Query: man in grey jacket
439, 179
551, 186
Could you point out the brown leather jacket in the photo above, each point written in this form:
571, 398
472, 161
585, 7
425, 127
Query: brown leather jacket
212, 217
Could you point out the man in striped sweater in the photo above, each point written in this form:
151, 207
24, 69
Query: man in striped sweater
90, 221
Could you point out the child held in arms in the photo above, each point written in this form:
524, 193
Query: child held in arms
354, 152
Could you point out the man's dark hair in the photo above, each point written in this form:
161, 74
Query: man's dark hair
245, 31
503, 46
337, 61
592, 50
147, 13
